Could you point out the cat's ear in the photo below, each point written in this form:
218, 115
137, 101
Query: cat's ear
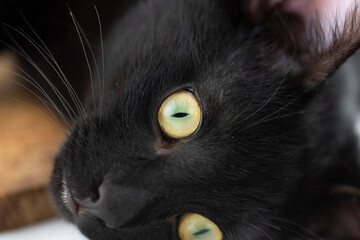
315, 36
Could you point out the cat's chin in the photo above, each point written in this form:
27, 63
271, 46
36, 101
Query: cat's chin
94, 228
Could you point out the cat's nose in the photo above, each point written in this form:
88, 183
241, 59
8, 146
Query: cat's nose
116, 205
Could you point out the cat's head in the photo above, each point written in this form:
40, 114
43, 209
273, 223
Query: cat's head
202, 112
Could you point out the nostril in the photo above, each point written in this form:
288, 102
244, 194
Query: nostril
116, 205
71, 202
94, 196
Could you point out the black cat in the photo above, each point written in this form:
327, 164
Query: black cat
213, 119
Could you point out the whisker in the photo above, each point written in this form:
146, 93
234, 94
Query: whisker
289, 229
271, 119
298, 226
28, 78
53, 119
94, 60
45, 50
33, 83
24, 55
64, 119
63, 77
102, 51
267, 102
278, 228
43, 53
263, 231
273, 113
282, 116
85, 53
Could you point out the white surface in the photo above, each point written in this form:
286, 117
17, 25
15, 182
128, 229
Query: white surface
54, 230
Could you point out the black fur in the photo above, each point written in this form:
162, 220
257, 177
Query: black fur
269, 149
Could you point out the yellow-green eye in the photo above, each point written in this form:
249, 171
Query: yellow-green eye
196, 227
179, 115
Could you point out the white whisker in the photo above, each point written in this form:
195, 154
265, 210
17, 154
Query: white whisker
55, 66
33, 83
263, 231
46, 105
24, 55
273, 113
267, 102
298, 226
78, 30
102, 51
43, 54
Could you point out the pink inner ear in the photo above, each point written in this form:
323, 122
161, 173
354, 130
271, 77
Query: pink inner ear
331, 13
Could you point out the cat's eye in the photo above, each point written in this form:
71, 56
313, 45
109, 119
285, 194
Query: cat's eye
179, 115
196, 227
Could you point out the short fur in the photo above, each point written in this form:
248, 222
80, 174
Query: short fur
273, 144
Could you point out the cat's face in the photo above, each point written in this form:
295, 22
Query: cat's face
122, 174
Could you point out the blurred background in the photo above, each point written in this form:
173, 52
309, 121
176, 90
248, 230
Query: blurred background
39, 46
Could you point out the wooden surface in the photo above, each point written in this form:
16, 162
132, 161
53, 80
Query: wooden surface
29, 139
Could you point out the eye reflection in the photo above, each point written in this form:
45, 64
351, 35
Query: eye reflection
196, 227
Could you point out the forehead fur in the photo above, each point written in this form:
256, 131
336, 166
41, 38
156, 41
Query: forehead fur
175, 44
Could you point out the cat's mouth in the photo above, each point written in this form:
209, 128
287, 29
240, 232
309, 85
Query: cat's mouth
183, 226
85, 209
68, 199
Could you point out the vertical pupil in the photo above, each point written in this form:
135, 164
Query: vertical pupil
201, 232
180, 115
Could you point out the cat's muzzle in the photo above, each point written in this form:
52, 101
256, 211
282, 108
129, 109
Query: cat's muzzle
116, 205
